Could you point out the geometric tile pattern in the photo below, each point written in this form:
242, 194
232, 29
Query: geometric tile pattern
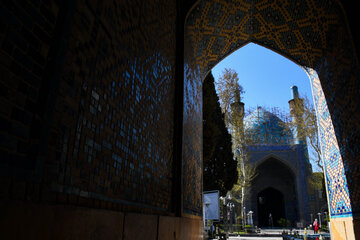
25, 43
266, 128
296, 29
295, 158
192, 139
336, 181
114, 115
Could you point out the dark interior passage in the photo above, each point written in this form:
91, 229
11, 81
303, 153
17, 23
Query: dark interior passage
270, 201
276, 186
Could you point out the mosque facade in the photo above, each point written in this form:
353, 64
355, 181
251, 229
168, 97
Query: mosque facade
280, 189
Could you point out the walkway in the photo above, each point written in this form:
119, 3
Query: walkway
269, 234
255, 238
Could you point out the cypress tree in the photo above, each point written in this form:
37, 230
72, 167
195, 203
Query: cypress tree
220, 168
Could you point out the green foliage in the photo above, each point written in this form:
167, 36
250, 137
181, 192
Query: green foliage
219, 165
324, 228
283, 222
305, 126
229, 91
316, 180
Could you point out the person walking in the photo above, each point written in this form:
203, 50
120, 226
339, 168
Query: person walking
316, 226
271, 223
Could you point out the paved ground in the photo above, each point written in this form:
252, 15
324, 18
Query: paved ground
255, 238
264, 231
268, 232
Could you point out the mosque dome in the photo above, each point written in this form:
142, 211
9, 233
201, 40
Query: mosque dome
266, 128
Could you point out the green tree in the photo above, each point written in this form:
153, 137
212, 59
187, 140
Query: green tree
219, 164
304, 124
230, 91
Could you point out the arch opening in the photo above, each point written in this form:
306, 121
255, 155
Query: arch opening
271, 207
214, 29
282, 201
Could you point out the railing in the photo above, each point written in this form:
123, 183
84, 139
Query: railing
236, 228
325, 236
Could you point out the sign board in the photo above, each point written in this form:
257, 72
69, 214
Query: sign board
211, 204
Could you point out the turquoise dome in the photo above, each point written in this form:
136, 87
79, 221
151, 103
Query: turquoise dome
264, 127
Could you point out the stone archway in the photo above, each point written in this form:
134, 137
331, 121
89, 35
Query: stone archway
274, 174
312, 34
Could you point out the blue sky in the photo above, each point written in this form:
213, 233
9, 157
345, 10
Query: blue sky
265, 76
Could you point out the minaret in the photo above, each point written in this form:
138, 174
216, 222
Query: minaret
237, 107
237, 116
297, 104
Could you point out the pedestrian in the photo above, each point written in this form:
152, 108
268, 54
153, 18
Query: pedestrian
271, 223
316, 225
212, 230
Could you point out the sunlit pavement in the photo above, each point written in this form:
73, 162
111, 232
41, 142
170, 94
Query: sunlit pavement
267, 232
255, 238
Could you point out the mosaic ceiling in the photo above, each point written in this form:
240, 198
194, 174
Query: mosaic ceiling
299, 30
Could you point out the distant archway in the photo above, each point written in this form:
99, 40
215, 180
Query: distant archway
274, 174
270, 202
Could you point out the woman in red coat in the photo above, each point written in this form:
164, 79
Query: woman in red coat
316, 226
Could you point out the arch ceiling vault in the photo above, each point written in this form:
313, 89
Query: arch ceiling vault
302, 31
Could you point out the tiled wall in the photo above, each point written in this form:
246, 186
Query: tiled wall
337, 186
266, 128
295, 158
87, 110
192, 136
27, 61
113, 120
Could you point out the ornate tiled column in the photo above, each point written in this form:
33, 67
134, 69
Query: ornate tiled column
340, 210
